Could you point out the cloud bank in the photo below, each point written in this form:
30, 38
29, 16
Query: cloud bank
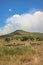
28, 22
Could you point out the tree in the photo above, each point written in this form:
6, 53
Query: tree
24, 38
39, 39
7, 39
31, 38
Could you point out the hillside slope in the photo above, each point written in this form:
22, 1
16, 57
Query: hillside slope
21, 33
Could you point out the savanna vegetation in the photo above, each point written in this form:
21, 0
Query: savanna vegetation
25, 48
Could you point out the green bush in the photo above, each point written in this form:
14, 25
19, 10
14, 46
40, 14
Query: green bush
7, 39
31, 38
39, 39
24, 38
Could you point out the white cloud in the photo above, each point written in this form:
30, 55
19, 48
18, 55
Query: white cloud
28, 22
10, 9
31, 11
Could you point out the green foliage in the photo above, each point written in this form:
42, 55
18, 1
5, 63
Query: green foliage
24, 38
7, 39
23, 35
16, 50
39, 38
31, 38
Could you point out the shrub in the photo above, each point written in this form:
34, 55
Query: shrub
31, 38
39, 39
7, 39
24, 38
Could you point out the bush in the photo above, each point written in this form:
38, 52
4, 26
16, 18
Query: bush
39, 39
7, 39
24, 38
31, 38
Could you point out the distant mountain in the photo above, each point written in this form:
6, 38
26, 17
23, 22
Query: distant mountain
21, 33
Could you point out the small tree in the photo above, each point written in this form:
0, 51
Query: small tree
7, 39
39, 39
31, 38
24, 38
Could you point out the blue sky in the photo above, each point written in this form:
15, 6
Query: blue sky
9, 8
18, 7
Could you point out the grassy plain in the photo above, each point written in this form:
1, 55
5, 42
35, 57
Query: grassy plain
29, 54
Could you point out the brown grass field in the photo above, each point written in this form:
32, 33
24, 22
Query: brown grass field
29, 54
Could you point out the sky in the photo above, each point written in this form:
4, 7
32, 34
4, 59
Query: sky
21, 14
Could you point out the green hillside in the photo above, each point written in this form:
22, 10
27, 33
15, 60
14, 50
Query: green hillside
18, 34
21, 48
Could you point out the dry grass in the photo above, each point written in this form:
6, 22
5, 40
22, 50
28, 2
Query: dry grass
22, 55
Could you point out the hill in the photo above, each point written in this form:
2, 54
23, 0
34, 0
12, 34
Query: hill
21, 52
18, 34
